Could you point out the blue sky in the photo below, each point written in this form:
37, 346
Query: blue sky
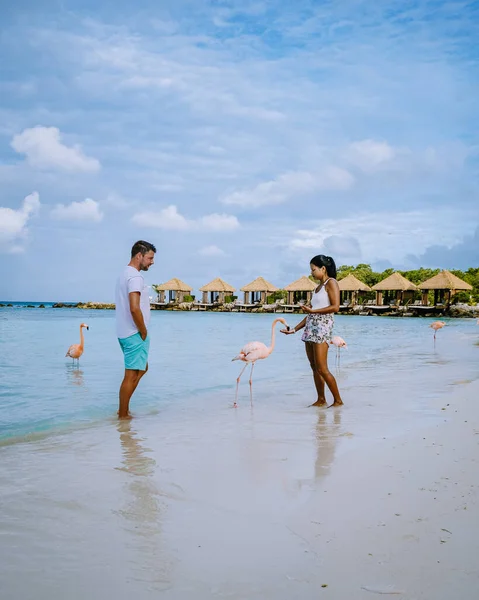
241, 138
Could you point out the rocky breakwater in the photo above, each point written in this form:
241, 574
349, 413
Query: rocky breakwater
463, 311
86, 305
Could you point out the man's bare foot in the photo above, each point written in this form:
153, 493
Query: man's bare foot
340, 403
320, 403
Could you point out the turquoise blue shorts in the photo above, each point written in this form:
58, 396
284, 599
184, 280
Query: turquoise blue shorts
135, 351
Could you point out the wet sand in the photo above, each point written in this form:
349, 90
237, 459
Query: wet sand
249, 504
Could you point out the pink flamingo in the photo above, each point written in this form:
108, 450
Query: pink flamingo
339, 343
76, 350
436, 326
252, 352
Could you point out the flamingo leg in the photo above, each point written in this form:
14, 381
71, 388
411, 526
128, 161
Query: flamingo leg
251, 383
237, 383
251, 374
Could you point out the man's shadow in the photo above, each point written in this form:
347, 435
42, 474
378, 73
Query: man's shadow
143, 510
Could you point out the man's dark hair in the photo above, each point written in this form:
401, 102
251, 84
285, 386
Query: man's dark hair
143, 247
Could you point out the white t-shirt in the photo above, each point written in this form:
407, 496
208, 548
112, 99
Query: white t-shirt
129, 281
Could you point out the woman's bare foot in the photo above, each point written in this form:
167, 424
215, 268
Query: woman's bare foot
320, 403
340, 403
124, 417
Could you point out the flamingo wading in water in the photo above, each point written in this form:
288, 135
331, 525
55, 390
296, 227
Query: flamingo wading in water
76, 350
436, 326
254, 351
339, 343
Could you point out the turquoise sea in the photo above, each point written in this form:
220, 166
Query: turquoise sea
190, 365
193, 499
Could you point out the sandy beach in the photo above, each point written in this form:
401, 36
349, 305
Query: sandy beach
260, 507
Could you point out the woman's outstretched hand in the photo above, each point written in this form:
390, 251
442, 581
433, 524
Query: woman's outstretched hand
287, 331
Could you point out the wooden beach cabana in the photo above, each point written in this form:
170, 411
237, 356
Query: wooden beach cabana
176, 289
403, 290
258, 290
217, 289
350, 288
445, 284
300, 290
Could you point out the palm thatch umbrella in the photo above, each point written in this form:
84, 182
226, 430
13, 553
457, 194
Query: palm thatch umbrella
301, 289
445, 284
217, 288
177, 290
258, 286
351, 286
394, 283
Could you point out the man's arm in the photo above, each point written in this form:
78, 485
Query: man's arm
136, 313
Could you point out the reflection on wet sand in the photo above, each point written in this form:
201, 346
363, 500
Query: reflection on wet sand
328, 428
143, 510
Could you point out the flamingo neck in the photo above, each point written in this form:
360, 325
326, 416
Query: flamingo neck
81, 337
271, 348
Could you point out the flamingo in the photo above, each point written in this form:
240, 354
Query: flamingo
436, 326
339, 343
76, 350
254, 351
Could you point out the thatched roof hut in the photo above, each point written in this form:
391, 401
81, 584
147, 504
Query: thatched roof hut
445, 280
177, 290
445, 284
350, 283
217, 288
301, 289
259, 287
349, 288
394, 283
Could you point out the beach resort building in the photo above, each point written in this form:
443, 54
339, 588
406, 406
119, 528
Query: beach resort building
395, 289
300, 290
215, 291
444, 285
350, 287
258, 291
176, 289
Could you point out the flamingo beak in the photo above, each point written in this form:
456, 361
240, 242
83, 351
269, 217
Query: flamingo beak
87, 328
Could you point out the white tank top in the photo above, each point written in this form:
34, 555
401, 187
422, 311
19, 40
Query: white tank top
320, 299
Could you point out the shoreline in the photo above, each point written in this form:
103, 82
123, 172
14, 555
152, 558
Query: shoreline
454, 311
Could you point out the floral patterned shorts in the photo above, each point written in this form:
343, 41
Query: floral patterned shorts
318, 329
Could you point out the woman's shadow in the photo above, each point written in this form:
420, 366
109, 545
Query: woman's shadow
327, 434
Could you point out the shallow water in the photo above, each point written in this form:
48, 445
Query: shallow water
191, 498
190, 366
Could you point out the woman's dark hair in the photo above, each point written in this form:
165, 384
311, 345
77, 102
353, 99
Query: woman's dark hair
143, 247
325, 261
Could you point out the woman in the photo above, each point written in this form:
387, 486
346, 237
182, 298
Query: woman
318, 326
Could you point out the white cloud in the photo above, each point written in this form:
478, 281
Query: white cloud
169, 218
44, 150
380, 235
87, 210
370, 155
217, 222
212, 251
290, 185
13, 223
116, 201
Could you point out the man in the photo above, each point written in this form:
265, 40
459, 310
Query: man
132, 319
